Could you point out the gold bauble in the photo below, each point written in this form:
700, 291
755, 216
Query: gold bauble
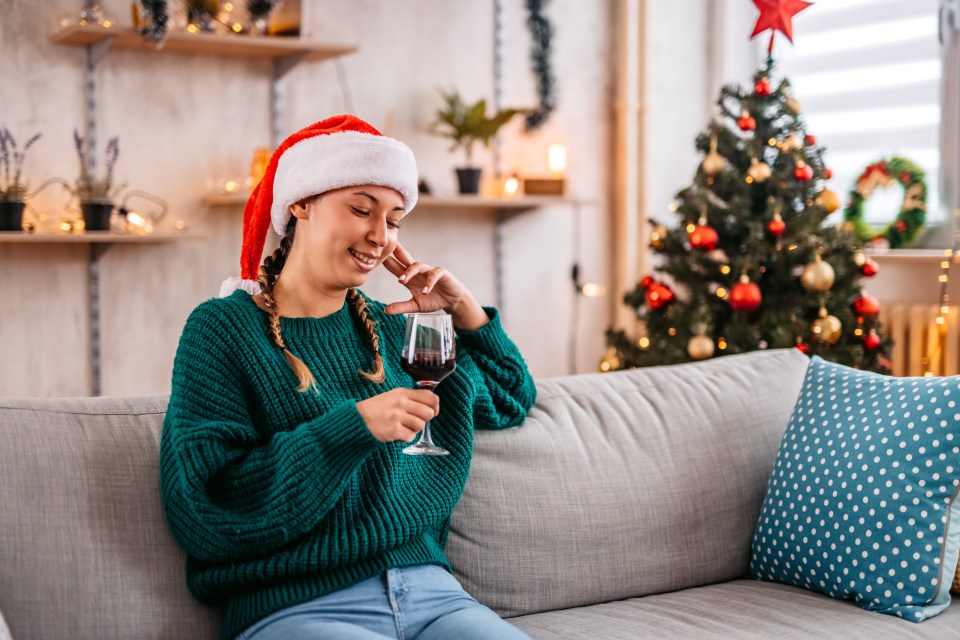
817, 275
859, 258
713, 163
758, 171
828, 200
657, 235
793, 104
826, 328
792, 142
610, 360
700, 347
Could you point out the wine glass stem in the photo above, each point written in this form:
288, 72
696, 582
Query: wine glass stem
425, 438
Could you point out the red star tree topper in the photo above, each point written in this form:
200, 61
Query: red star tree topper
777, 15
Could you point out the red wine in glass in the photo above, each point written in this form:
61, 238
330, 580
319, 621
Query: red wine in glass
428, 366
429, 355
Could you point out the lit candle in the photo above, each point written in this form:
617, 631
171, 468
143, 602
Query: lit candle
510, 186
557, 159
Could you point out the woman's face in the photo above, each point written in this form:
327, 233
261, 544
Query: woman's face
346, 233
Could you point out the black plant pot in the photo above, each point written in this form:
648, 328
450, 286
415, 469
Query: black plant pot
11, 215
96, 215
469, 180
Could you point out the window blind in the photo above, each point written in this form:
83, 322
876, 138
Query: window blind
867, 75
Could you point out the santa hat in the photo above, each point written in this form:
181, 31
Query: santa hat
341, 151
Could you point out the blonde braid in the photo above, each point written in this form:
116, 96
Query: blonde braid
358, 304
266, 278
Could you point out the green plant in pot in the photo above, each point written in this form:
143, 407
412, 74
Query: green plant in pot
96, 195
466, 125
13, 190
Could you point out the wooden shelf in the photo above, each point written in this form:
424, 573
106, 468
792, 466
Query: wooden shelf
238, 199
908, 255
91, 237
232, 46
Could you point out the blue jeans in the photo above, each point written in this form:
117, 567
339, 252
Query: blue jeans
423, 602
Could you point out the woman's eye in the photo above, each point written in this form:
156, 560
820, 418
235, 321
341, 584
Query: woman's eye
360, 212
393, 225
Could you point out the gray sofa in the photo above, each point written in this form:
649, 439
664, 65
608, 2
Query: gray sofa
623, 508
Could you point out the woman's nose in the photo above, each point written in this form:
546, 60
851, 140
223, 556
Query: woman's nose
377, 234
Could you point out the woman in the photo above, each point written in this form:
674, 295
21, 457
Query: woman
281, 466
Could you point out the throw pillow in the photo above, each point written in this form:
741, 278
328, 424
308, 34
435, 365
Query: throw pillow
859, 502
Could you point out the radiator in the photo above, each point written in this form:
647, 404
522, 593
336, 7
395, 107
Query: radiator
917, 338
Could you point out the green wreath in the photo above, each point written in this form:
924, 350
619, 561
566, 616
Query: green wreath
913, 210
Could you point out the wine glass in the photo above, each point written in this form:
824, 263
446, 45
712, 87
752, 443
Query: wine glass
429, 355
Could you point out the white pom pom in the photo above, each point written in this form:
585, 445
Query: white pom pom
235, 282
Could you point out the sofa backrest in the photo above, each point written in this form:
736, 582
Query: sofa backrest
624, 484
84, 549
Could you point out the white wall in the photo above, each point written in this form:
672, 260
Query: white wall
184, 119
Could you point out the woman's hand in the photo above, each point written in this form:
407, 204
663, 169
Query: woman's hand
432, 289
399, 414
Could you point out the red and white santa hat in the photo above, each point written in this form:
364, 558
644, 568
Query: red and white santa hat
341, 151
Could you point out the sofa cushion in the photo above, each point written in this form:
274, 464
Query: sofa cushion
4, 631
624, 484
738, 610
859, 504
84, 549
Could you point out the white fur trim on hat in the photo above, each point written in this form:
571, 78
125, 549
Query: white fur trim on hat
343, 159
231, 284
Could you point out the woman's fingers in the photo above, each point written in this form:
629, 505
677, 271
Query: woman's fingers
433, 277
403, 255
412, 271
394, 266
397, 308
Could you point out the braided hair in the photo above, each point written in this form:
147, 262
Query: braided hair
267, 278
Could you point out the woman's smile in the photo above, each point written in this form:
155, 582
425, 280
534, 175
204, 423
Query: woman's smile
365, 262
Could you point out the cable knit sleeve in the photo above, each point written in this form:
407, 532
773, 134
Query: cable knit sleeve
230, 493
507, 392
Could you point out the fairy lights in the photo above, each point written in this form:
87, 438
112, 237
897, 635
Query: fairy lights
943, 308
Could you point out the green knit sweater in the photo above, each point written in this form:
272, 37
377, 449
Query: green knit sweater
279, 496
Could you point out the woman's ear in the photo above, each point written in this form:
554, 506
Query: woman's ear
300, 210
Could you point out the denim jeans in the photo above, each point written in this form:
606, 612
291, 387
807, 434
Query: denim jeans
423, 602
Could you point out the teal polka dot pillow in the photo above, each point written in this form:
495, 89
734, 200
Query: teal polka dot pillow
859, 505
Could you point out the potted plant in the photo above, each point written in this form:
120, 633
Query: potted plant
96, 195
467, 125
13, 190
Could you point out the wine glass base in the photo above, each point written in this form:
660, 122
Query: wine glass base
419, 449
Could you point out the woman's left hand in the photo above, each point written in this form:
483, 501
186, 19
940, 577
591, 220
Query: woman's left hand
433, 289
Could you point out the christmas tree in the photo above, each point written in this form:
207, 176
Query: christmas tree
752, 263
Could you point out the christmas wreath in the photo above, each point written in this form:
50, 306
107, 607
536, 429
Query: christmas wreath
913, 210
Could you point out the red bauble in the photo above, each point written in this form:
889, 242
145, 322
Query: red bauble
900, 226
872, 341
803, 172
870, 268
745, 297
866, 305
803, 347
647, 281
810, 140
776, 227
827, 174
763, 88
905, 177
747, 123
704, 237
658, 296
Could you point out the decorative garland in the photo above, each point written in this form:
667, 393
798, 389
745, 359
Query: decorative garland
155, 29
261, 8
541, 31
913, 211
